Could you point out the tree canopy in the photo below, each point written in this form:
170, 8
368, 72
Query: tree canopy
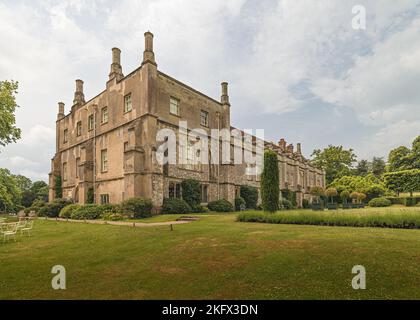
335, 160
403, 158
8, 131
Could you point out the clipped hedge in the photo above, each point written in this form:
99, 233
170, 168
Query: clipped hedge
379, 202
398, 219
137, 207
250, 196
221, 205
175, 206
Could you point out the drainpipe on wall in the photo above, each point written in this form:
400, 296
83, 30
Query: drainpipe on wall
94, 153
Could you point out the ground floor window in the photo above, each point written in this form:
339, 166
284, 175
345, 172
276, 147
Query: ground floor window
204, 193
174, 190
104, 198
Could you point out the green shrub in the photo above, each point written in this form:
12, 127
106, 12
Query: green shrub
58, 189
112, 216
396, 200
240, 204
250, 195
221, 205
305, 204
67, 211
175, 206
270, 182
191, 192
198, 208
52, 209
88, 212
379, 202
36, 206
410, 201
137, 207
286, 204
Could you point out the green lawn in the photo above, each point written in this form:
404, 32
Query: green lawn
214, 258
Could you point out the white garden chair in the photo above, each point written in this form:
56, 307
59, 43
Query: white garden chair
27, 228
10, 231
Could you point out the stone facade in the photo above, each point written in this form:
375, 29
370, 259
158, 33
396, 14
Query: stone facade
108, 144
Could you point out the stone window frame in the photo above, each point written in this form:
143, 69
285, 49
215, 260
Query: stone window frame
104, 198
177, 190
104, 115
204, 123
128, 103
79, 128
104, 160
65, 135
91, 122
173, 99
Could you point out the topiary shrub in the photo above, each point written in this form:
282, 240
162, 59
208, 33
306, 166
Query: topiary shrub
270, 182
379, 202
52, 209
137, 207
175, 206
250, 195
191, 192
88, 212
221, 205
240, 204
67, 211
410, 201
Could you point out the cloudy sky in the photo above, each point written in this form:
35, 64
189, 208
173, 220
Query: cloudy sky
296, 68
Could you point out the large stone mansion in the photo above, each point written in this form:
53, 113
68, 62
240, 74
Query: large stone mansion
107, 146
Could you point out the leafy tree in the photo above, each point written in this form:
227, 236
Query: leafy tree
378, 166
317, 192
40, 190
331, 192
8, 131
335, 160
10, 194
250, 195
23, 182
363, 168
403, 181
370, 185
344, 195
270, 189
402, 158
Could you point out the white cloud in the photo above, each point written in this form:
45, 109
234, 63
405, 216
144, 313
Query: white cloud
39, 135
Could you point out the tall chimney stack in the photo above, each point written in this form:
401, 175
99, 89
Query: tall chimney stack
282, 144
60, 114
225, 97
289, 148
148, 54
298, 147
116, 69
79, 97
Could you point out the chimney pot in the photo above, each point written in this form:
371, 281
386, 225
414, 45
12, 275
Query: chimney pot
116, 69
60, 114
79, 97
299, 148
148, 54
225, 97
